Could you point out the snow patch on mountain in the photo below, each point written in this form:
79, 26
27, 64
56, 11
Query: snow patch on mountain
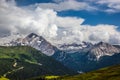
74, 47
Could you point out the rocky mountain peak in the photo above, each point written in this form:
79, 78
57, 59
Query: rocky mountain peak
102, 44
102, 49
35, 41
32, 35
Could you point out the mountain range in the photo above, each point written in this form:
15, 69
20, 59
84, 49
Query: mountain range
81, 58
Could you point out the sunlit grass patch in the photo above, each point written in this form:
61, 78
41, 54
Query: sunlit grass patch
51, 77
3, 78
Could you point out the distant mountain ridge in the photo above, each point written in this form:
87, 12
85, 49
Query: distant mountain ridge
94, 51
90, 58
79, 57
74, 47
38, 42
103, 49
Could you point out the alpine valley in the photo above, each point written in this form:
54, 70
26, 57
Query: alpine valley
32, 56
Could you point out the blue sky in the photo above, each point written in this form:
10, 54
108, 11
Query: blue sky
91, 17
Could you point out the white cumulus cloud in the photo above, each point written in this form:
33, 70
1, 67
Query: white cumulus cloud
56, 29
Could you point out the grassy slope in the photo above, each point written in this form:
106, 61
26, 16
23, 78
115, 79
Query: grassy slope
109, 73
28, 58
3, 78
